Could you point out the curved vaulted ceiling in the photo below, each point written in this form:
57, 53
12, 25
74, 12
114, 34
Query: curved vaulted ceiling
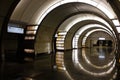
31, 11
53, 16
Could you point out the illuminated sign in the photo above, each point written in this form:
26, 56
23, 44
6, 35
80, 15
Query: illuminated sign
15, 29
101, 38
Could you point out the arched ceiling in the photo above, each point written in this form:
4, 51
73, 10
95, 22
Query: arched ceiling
30, 10
51, 14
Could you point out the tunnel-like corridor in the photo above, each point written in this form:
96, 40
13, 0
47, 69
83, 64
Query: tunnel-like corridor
60, 39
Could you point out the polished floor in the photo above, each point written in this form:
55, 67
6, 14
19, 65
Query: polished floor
79, 64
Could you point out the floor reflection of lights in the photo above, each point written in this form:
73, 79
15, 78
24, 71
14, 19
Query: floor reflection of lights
99, 67
97, 74
24, 78
60, 60
60, 63
75, 59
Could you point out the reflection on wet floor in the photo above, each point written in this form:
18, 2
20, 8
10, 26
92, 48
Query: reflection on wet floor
78, 64
85, 64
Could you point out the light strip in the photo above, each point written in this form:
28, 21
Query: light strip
116, 22
81, 30
81, 17
118, 29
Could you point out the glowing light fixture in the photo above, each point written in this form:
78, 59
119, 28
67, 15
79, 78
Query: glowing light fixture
116, 22
101, 38
29, 50
118, 29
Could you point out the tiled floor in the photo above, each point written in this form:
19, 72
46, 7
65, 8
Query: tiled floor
82, 64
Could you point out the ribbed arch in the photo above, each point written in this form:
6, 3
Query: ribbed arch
84, 28
105, 35
70, 22
107, 10
93, 31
